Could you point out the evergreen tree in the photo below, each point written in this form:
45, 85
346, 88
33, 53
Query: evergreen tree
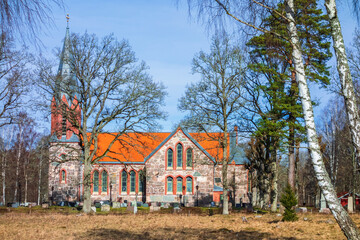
271, 59
289, 201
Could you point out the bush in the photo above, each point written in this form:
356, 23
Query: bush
289, 201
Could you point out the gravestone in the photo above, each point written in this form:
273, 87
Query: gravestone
105, 208
154, 208
116, 205
93, 209
45, 205
130, 208
350, 206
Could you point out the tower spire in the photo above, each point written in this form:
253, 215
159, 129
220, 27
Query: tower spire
66, 79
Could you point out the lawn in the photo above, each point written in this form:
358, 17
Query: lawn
184, 225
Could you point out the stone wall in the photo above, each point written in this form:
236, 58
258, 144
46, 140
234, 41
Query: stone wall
64, 156
202, 173
114, 171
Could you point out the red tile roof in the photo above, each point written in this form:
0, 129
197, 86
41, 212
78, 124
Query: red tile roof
134, 147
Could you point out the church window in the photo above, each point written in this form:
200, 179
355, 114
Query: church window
96, 181
169, 182
189, 184
141, 181
63, 176
170, 158
179, 184
132, 181
189, 158
124, 182
104, 182
179, 156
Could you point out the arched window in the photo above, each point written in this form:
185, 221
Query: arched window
189, 185
123, 181
132, 181
170, 158
141, 181
104, 182
179, 155
96, 181
62, 176
189, 158
169, 182
179, 184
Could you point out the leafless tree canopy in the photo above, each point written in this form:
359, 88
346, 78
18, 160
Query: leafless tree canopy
14, 76
26, 17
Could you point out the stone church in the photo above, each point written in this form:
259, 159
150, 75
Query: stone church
148, 167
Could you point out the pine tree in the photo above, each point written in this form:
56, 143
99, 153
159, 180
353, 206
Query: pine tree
289, 201
281, 118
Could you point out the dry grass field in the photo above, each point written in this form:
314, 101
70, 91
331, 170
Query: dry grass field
15, 225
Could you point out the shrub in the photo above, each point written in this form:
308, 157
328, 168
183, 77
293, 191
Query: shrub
289, 201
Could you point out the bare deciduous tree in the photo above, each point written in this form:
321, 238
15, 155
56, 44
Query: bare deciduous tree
26, 17
14, 77
108, 87
213, 102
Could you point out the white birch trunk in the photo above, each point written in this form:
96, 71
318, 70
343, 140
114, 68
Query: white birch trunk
342, 217
39, 184
18, 163
346, 82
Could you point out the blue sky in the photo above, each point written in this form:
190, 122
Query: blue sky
160, 32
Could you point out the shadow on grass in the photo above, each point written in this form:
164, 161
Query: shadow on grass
172, 233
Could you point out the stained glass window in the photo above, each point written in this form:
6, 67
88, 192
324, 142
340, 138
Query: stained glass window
169, 181
179, 183
170, 158
104, 182
63, 176
189, 159
96, 181
189, 184
132, 181
179, 156
124, 181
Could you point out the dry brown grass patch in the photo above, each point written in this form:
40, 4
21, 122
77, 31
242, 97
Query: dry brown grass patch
166, 226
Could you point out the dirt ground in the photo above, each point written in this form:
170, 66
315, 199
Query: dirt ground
166, 226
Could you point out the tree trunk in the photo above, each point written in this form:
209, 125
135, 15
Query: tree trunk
291, 170
291, 138
274, 185
3, 176
224, 174
347, 86
342, 217
26, 187
18, 165
87, 186
39, 183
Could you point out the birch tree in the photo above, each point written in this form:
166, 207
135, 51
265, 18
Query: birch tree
215, 100
346, 82
215, 8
